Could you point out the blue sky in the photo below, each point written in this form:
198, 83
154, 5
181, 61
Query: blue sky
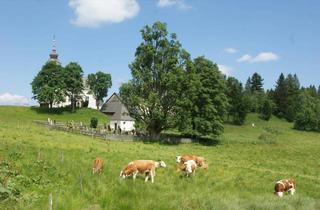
242, 36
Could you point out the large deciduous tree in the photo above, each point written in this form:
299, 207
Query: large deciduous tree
151, 95
47, 86
99, 83
202, 101
73, 80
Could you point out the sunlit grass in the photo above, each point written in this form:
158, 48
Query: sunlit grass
241, 175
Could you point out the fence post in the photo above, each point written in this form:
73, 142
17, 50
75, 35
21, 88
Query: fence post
81, 185
50, 201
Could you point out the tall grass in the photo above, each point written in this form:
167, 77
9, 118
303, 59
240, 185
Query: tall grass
241, 174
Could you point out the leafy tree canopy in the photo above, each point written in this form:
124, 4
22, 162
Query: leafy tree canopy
99, 83
47, 86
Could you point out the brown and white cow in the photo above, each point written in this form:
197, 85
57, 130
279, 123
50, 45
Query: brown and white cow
188, 168
147, 167
97, 165
200, 161
286, 185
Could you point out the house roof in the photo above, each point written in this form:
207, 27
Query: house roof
114, 107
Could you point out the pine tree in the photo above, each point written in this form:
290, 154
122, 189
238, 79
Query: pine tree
293, 86
256, 83
281, 96
266, 110
247, 87
237, 108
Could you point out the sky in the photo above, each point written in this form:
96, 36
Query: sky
241, 36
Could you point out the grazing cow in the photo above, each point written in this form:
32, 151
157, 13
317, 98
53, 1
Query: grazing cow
282, 186
97, 165
148, 167
189, 167
200, 161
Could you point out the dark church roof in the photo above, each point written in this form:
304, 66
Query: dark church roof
116, 109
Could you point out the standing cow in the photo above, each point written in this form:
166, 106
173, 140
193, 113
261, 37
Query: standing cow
282, 186
97, 165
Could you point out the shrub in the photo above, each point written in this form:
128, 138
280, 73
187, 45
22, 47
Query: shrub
93, 122
269, 135
308, 116
266, 110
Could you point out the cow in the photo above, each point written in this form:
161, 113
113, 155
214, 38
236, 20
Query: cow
147, 167
282, 186
97, 165
200, 161
189, 167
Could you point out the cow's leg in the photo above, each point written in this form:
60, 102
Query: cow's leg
147, 177
152, 176
135, 174
280, 194
292, 191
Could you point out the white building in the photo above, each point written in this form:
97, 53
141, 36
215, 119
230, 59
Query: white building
85, 99
118, 113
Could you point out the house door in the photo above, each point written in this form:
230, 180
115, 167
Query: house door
115, 126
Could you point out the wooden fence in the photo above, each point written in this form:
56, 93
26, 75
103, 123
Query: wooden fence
103, 133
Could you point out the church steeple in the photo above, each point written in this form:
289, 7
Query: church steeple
54, 55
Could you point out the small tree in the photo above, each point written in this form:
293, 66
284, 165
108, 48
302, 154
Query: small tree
73, 80
47, 86
99, 83
266, 110
93, 122
308, 114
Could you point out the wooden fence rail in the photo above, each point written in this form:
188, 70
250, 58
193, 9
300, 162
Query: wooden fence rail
102, 133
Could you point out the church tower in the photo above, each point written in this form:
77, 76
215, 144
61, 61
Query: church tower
53, 56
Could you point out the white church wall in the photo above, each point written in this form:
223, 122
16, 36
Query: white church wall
124, 125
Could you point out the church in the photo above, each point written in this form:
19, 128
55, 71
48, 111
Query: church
85, 99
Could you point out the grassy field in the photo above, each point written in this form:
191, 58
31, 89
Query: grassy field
242, 168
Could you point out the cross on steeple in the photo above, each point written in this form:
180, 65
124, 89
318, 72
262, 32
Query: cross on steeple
53, 56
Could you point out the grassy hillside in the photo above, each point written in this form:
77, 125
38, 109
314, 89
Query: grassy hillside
27, 114
242, 168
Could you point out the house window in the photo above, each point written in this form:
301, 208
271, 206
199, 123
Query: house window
124, 122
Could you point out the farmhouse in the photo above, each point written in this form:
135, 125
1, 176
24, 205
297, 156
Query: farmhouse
118, 113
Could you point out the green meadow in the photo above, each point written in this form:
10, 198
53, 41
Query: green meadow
243, 167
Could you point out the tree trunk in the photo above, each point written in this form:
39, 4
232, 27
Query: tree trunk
72, 103
97, 104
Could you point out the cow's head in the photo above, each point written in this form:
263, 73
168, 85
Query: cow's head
122, 175
162, 164
178, 159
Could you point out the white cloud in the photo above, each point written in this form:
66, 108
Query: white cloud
261, 57
230, 50
93, 13
224, 69
245, 58
12, 99
178, 3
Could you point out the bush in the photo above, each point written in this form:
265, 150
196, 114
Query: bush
308, 116
93, 122
269, 135
266, 110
